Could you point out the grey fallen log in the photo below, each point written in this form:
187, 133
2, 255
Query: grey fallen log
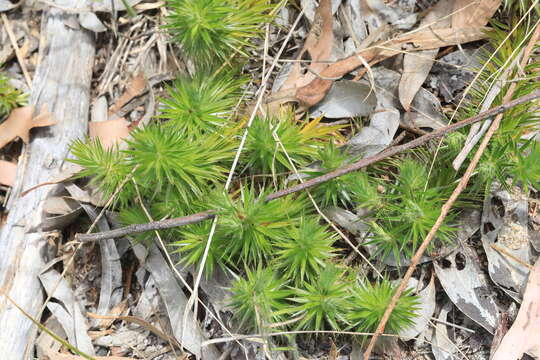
62, 83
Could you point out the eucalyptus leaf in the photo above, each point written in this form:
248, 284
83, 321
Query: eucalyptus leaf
346, 99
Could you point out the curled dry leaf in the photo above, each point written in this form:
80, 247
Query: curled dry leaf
7, 172
135, 88
20, 121
316, 90
319, 44
109, 132
523, 335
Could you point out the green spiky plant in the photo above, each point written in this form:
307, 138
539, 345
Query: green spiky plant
258, 299
410, 211
276, 141
210, 31
322, 302
304, 251
339, 191
10, 97
286, 259
251, 226
369, 301
201, 104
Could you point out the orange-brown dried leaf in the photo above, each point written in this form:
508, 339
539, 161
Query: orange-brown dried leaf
20, 121
109, 132
7, 172
136, 87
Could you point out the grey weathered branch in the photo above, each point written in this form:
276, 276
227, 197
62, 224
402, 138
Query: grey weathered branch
180, 221
62, 83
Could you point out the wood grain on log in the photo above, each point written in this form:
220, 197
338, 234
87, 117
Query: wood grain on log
62, 83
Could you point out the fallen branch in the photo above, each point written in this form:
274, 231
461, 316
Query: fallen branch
195, 218
453, 197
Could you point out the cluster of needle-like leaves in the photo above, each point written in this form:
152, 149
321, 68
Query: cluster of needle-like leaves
274, 143
10, 97
202, 104
210, 31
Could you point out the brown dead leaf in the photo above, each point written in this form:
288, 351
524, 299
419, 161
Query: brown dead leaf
315, 91
7, 172
473, 14
109, 132
416, 66
523, 335
20, 121
136, 87
319, 43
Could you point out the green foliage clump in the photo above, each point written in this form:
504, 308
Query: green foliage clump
201, 104
300, 144
258, 299
370, 301
304, 251
211, 31
165, 161
10, 97
339, 191
410, 211
250, 226
192, 244
322, 303
106, 168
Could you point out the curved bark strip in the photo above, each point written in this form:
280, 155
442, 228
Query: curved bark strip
62, 83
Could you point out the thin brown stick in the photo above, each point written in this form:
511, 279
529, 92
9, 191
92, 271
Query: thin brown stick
153, 225
448, 204
195, 218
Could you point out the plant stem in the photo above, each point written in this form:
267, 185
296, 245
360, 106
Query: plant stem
448, 204
195, 218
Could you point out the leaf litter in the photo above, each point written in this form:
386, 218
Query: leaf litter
325, 88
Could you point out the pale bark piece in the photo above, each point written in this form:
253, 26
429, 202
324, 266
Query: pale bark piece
19, 123
62, 83
346, 99
90, 21
468, 288
67, 310
376, 137
416, 66
111, 287
424, 313
109, 132
523, 336
188, 334
505, 225
441, 345
8, 170
59, 211
6, 5
473, 14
